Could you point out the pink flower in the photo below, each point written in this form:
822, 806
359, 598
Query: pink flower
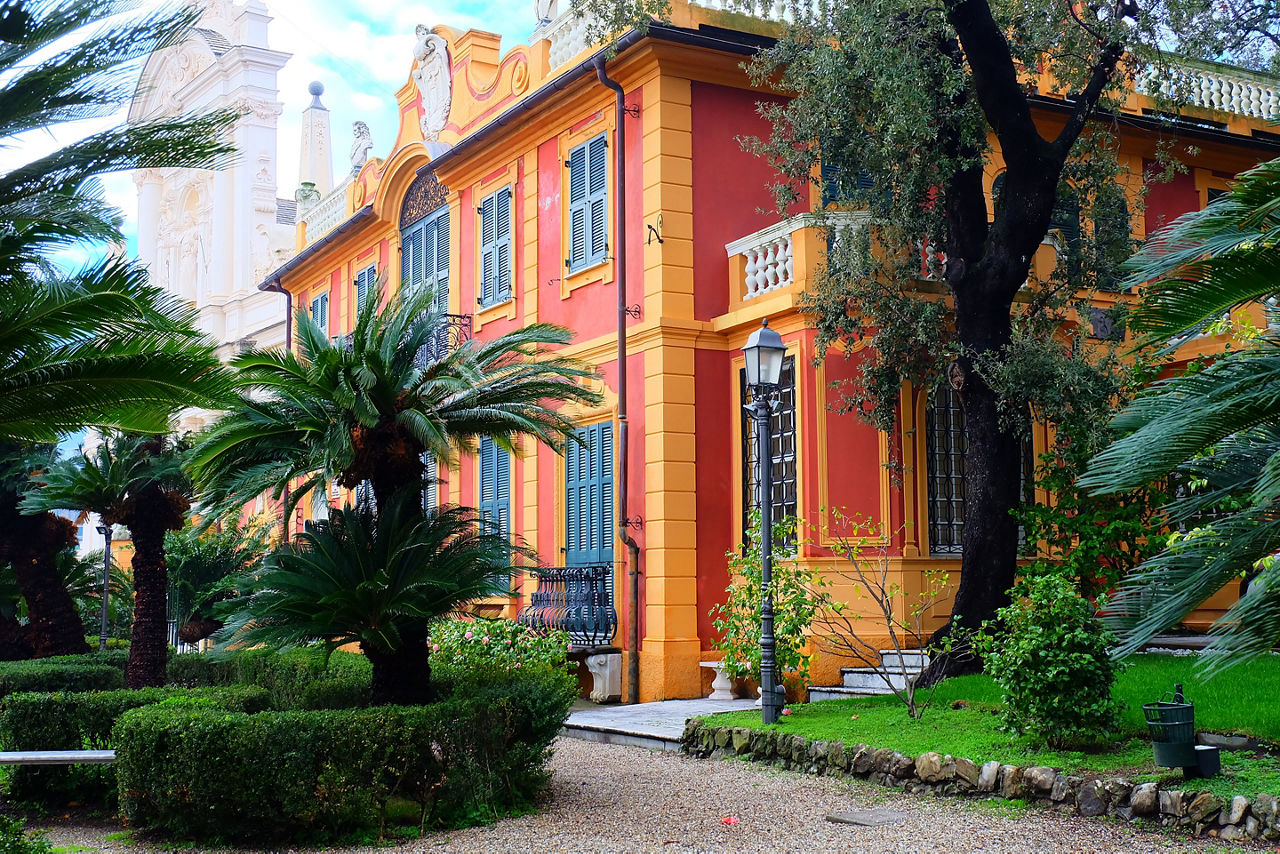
508, 643
468, 636
729, 819
786, 711
484, 639
435, 647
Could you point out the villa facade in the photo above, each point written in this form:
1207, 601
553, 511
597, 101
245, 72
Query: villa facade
501, 189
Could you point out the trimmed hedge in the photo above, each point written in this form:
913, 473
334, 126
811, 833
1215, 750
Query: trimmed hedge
75, 721
48, 675
473, 756
298, 679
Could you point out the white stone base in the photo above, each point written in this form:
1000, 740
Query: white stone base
721, 687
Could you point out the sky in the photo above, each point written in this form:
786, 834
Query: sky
361, 51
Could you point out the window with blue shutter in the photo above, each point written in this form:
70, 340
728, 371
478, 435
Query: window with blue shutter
589, 517
424, 256
495, 248
430, 482
495, 485
320, 311
588, 204
365, 281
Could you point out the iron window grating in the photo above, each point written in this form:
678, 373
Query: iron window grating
783, 449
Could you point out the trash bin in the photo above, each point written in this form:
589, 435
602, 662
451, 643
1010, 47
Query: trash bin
1173, 730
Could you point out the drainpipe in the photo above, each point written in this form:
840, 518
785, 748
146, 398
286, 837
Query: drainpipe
624, 443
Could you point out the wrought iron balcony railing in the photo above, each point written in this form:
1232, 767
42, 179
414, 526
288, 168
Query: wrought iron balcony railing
454, 331
576, 599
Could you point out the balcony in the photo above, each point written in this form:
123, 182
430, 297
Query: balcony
1212, 86
780, 256
574, 599
454, 331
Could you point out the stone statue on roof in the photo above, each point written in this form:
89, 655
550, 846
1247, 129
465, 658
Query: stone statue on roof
360, 147
432, 76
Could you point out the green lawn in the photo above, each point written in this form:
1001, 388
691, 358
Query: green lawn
1238, 701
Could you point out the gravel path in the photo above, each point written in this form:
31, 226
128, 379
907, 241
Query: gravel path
606, 798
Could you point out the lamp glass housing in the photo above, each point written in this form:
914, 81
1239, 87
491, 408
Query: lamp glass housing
764, 354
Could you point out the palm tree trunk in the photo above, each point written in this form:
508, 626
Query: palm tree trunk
154, 514
403, 677
30, 544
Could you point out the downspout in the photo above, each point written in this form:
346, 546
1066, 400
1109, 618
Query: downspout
624, 439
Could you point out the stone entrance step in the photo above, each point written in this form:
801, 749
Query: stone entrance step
896, 669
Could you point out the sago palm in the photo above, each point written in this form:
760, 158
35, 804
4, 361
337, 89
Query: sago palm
96, 346
138, 482
370, 407
1214, 432
374, 581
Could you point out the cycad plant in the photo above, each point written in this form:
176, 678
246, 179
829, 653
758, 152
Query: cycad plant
1214, 433
367, 408
138, 482
373, 581
96, 346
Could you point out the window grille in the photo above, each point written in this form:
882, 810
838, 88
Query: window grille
945, 449
783, 449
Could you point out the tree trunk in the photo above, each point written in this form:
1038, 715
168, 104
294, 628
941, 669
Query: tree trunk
403, 677
31, 544
993, 463
154, 512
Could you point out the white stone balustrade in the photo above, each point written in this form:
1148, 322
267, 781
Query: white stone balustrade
769, 254
1217, 88
328, 213
568, 37
768, 10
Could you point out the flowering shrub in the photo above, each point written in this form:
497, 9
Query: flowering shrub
463, 647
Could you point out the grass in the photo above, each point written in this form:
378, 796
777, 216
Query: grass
963, 721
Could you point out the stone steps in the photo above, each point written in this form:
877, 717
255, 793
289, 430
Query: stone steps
896, 668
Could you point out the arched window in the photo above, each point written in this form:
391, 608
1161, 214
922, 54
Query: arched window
424, 238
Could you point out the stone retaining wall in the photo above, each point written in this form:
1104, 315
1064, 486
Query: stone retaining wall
1196, 812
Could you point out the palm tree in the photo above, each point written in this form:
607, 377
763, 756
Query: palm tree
376, 581
137, 482
30, 544
201, 565
1215, 432
96, 346
370, 407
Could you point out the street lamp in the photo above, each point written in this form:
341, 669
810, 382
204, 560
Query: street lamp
764, 353
105, 531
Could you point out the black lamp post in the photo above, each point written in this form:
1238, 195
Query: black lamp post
764, 353
105, 531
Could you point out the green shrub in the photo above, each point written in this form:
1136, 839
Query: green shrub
476, 648
112, 643
1052, 663
473, 756
47, 675
78, 721
14, 839
297, 679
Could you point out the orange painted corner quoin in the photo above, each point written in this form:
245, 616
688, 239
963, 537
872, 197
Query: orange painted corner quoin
520, 179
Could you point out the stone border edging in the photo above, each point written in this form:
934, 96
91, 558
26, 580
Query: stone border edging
1198, 812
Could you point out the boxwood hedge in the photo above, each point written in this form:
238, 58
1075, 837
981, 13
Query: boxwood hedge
75, 721
472, 756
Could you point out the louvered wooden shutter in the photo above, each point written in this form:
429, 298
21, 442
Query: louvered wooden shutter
436, 252
597, 190
320, 311
589, 496
488, 251
364, 283
411, 259
577, 208
502, 239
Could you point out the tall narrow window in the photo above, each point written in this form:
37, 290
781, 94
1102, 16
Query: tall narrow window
320, 311
588, 204
366, 279
495, 248
782, 448
430, 482
589, 521
495, 485
945, 447
424, 256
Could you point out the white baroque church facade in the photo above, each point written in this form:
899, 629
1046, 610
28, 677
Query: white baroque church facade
212, 236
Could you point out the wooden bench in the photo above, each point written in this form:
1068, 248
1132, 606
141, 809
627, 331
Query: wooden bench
57, 757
